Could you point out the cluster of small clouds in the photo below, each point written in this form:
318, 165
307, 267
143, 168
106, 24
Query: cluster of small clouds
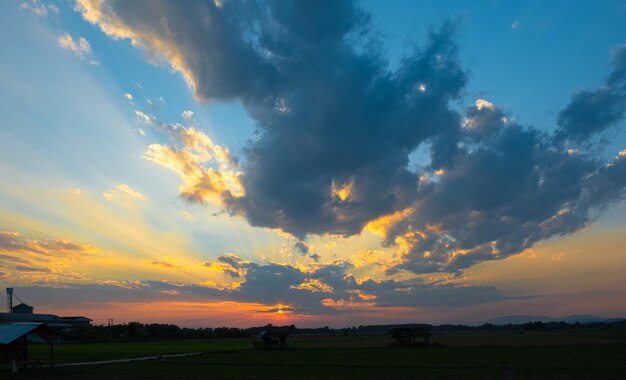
321, 289
40, 8
336, 128
80, 47
23, 258
326, 287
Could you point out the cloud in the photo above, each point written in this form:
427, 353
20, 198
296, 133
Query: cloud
80, 48
591, 112
301, 248
209, 172
187, 114
123, 195
509, 188
326, 289
163, 264
24, 268
299, 158
14, 242
128, 96
336, 126
13, 259
309, 291
305, 249
40, 8
141, 116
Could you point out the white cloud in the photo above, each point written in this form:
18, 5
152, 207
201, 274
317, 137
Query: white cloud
144, 117
80, 47
128, 96
482, 103
516, 25
187, 115
124, 195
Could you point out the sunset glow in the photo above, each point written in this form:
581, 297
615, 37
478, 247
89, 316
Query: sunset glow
215, 164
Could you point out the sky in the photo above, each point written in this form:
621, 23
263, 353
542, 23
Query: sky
238, 163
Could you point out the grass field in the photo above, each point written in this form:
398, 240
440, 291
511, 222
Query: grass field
483, 355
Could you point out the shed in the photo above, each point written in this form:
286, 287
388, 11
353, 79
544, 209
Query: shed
274, 338
14, 339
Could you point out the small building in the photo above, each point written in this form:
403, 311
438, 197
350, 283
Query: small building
23, 313
273, 338
14, 339
23, 308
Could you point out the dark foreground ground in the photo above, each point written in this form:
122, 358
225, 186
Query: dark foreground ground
483, 355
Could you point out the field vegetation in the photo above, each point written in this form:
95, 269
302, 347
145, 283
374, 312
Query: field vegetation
579, 354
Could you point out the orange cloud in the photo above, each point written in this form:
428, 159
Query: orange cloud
343, 192
202, 183
381, 225
14, 242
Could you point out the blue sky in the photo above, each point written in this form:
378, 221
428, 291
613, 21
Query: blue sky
259, 185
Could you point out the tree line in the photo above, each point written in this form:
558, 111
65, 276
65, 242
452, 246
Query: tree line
136, 331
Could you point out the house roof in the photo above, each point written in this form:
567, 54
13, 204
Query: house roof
35, 332
49, 319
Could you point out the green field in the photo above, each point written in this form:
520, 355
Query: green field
72, 353
483, 355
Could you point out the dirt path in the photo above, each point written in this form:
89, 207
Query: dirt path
128, 360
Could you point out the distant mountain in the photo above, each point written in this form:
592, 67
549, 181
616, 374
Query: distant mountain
521, 319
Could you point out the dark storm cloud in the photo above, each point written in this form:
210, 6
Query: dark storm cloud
329, 113
335, 128
506, 193
346, 123
417, 293
590, 112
